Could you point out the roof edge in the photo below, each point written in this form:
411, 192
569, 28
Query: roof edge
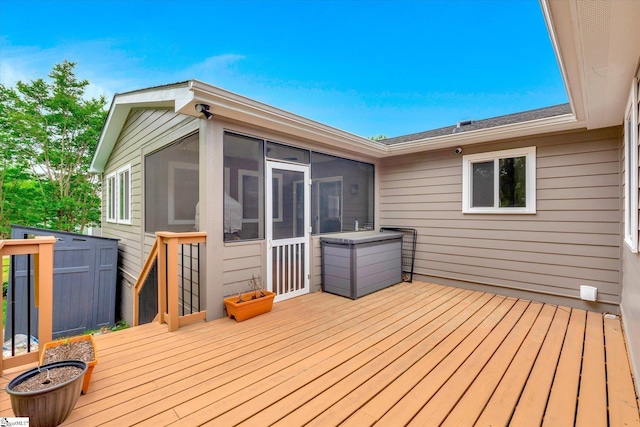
497, 133
230, 105
566, 64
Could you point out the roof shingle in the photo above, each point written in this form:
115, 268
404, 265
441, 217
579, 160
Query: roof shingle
525, 116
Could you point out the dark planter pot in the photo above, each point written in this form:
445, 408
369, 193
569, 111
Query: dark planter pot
48, 407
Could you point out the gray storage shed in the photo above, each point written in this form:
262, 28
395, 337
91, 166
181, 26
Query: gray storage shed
84, 283
356, 264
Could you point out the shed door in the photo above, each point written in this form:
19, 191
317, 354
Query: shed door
288, 229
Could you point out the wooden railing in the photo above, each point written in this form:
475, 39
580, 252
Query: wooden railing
42, 250
176, 279
152, 260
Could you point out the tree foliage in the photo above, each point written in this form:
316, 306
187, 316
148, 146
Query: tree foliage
48, 135
378, 137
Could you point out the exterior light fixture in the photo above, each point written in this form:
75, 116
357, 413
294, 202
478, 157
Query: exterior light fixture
204, 110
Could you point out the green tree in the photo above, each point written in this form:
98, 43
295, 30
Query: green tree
378, 137
49, 134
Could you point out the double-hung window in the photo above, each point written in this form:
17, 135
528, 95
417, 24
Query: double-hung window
630, 150
118, 189
500, 182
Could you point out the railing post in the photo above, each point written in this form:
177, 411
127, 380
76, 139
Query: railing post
43, 268
162, 277
168, 244
172, 282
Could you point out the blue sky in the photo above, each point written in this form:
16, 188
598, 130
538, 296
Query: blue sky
367, 67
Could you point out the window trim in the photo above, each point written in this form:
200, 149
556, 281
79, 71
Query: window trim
126, 219
112, 198
113, 204
171, 191
631, 129
467, 175
278, 178
255, 174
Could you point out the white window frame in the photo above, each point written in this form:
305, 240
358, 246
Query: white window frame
317, 183
278, 178
467, 178
630, 149
112, 197
171, 191
251, 173
113, 203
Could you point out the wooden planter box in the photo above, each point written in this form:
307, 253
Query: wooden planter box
90, 364
249, 307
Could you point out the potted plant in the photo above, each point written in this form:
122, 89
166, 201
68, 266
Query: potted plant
47, 394
82, 347
249, 304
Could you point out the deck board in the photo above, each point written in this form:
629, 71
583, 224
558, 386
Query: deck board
412, 353
360, 368
493, 396
619, 383
501, 343
564, 390
530, 408
317, 397
592, 398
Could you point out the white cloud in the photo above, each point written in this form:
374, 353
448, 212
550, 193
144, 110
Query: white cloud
108, 68
105, 67
218, 69
23, 64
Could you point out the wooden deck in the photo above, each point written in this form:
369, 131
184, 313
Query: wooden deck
413, 354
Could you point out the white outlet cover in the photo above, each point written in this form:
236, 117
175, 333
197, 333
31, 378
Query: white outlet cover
588, 293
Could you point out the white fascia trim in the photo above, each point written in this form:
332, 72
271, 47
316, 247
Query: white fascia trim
230, 105
121, 106
566, 63
183, 97
516, 130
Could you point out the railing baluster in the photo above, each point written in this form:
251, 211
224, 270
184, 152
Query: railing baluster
191, 279
299, 266
290, 266
12, 262
199, 281
182, 277
28, 303
277, 269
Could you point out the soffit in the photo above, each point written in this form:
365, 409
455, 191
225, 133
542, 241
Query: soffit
597, 43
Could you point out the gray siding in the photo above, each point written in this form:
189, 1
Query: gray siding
631, 307
630, 304
145, 131
316, 264
572, 240
241, 261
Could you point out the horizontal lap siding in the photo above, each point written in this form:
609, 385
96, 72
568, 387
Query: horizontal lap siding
572, 240
241, 261
316, 264
145, 130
